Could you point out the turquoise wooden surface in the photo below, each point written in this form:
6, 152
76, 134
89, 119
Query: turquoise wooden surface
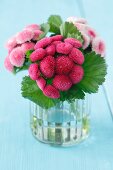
18, 149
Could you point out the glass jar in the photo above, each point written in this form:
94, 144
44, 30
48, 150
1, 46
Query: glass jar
65, 124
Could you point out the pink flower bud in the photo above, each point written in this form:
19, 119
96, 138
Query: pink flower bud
74, 42
43, 43
64, 48
41, 82
34, 72
57, 38
50, 50
51, 91
38, 54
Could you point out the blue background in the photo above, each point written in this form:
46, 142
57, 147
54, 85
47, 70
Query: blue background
18, 149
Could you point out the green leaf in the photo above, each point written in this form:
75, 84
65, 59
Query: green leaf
28, 53
72, 94
55, 21
24, 67
69, 30
95, 69
31, 91
45, 28
18, 69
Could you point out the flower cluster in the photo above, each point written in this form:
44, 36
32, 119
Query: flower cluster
63, 60
59, 61
19, 44
90, 36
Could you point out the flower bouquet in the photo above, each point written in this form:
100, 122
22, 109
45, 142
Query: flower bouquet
65, 63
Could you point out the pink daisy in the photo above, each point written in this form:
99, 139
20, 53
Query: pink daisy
36, 34
27, 46
86, 40
32, 27
17, 57
98, 46
25, 35
81, 27
77, 20
8, 64
91, 32
71, 19
11, 43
